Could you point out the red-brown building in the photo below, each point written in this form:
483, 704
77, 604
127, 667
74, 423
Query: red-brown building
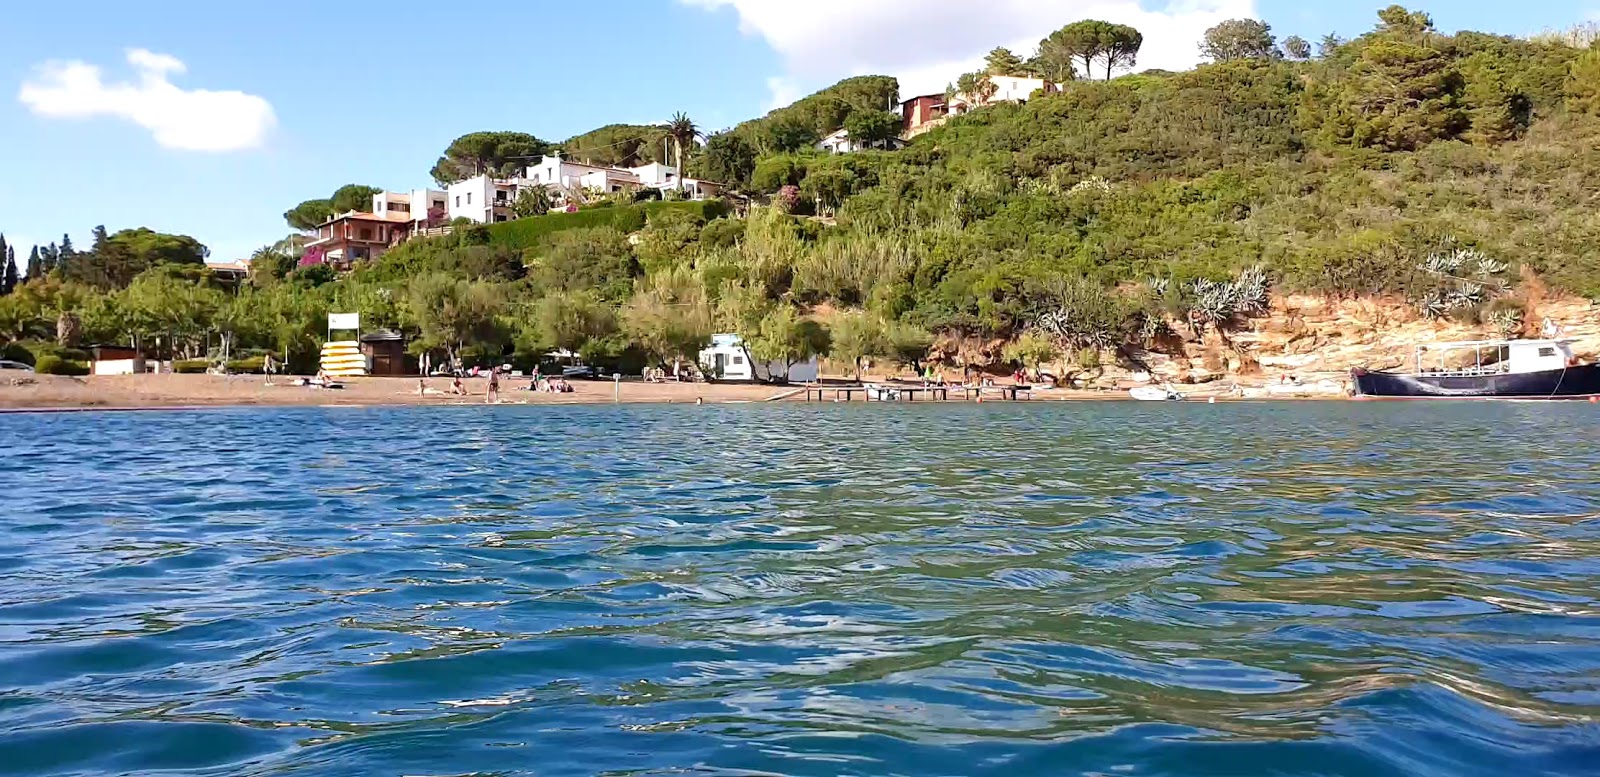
352, 237
918, 112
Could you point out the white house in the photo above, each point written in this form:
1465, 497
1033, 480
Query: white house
840, 143
1007, 89
728, 361
553, 171
481, 198
414, 205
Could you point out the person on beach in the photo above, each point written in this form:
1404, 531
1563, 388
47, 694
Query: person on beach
269, 365
456, 387
492, 396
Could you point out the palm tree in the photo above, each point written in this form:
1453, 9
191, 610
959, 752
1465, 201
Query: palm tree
682, 130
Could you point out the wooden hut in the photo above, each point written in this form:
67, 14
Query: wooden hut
385, 350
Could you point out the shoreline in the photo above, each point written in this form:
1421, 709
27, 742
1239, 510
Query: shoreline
132, 393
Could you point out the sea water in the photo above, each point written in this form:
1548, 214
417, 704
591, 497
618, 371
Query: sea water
1027, 588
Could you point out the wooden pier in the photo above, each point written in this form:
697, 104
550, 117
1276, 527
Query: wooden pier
911, 393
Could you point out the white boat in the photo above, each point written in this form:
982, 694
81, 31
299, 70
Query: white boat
1155, 394
877, 392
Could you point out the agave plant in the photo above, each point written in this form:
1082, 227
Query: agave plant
1506, 321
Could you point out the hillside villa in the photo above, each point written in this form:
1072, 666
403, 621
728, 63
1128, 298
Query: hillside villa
351, 237
920, 114
841, 143
1007, 89
486, 199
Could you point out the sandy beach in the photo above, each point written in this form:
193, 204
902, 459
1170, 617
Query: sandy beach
105, 392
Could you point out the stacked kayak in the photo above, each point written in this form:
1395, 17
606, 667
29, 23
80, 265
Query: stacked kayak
343, 359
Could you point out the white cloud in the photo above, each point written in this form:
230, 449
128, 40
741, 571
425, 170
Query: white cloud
927, 43
184, 119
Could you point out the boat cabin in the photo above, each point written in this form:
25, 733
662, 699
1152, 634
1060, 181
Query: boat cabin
1494, 357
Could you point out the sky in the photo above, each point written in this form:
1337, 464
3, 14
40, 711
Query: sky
212, 118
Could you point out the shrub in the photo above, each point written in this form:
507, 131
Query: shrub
190, 366
530, 232
722, 233
17, 352
251, 365
43, 349
50, 364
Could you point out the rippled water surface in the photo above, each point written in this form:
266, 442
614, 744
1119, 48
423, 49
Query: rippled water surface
1130, 589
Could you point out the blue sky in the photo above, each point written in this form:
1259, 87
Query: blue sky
325, 94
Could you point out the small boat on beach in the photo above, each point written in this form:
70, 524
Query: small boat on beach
1155, 394
1496, 369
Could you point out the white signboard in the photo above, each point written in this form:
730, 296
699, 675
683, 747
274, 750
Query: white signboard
344, 321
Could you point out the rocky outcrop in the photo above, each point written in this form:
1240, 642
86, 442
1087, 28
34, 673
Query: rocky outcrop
1312, 340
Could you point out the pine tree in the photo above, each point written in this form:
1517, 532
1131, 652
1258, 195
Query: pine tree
34, 268
48, 259
8, 276
65, 256
6, 283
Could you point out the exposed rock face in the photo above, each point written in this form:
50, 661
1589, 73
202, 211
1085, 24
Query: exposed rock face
1305, 338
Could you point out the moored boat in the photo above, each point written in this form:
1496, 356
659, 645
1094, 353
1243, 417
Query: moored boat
1155, 394
1498, 369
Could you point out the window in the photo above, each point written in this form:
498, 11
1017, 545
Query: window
458, 200
738, 360
1547, 352
499, 217
365, 233
469, 198
400, 207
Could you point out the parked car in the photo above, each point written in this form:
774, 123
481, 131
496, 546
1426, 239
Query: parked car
6, 364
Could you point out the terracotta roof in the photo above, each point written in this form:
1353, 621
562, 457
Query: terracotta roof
391, 218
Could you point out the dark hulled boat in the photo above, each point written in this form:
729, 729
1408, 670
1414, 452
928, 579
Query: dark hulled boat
1501, 369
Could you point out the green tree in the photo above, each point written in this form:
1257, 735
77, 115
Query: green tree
775, 172
162, 302
1583, 83
683, 132
532, 201
454, 312
309, 215
1398, 96
1122, 48
622, 145
670, 316
572, 321
498, 154
1053, 65
1297, 48
1091, 41
801, 125
1399, 21
908, 344
858, 336
1002, 62
597, 259
873, 128
353, 197
785, 338
728, 158
1239, 39
35, 267
669, 239
1032, 350
8, 268
977, 87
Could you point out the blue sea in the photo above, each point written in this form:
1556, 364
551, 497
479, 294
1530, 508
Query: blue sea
997, 589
